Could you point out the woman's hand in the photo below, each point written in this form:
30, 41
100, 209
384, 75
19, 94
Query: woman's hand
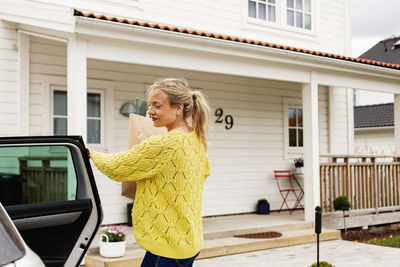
88, 150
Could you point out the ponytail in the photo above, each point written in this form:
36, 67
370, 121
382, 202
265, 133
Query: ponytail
200, 116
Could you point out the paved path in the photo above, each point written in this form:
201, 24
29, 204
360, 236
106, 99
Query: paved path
338, 252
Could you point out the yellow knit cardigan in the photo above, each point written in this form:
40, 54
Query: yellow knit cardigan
170, 171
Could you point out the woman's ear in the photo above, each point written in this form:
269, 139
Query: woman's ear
179, 109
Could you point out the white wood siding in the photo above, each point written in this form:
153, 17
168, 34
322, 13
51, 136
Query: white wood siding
333, 26
329, 33
340, 121
374, 141
323, 123
8, 79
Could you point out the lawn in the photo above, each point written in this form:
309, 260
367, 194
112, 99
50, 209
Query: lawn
391, 241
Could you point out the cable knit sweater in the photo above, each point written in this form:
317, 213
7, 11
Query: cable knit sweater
170, 171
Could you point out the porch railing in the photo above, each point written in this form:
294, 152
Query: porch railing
369, 181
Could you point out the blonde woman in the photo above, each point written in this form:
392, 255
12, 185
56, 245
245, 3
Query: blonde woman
170, 171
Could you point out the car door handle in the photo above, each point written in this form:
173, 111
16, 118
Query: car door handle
47, 221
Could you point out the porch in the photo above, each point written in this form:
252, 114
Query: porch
372, 184
219, 237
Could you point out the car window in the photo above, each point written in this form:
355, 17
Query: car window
36, 174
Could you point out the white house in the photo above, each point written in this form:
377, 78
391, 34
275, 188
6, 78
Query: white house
67, 67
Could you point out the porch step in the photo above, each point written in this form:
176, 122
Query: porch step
223, 243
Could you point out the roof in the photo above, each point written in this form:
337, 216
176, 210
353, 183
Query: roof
370, 116
235, 39
387, 50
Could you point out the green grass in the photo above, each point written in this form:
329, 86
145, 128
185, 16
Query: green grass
393, 242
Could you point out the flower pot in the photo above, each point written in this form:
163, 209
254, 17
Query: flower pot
112, 249
300, 169
263, 208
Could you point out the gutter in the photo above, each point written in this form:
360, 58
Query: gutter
364, 129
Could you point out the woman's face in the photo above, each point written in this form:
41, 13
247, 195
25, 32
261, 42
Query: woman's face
161, 111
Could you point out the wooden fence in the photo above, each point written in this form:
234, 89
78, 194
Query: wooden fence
44, 183
369, 181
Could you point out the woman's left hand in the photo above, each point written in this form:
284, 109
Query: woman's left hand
88, 150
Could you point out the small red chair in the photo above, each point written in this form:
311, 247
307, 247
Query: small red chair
280, 177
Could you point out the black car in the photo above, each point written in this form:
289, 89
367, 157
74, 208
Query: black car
48, 190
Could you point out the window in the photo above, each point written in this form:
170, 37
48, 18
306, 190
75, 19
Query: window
94, 115
262, 10
36, 174
93, 118
295, 127
299, 13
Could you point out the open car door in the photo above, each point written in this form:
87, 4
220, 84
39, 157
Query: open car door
48, 189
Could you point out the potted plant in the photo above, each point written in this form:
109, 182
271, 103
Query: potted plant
299, 164
342, 203
112, 241
263, 206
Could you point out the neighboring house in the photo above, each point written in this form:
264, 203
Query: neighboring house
373, 129
387, 50
67, 67
373, 111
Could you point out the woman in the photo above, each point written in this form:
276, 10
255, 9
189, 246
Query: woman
170, 171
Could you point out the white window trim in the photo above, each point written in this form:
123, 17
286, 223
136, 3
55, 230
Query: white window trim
102, 117
52, 89
290, 152
102, 112
281, 21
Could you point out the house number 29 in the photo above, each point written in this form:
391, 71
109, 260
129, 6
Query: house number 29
228, 119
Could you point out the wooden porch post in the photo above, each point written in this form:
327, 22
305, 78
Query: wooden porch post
396, 112
77, 91
311, 146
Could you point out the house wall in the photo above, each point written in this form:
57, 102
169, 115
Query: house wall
374, 141
330, 30
339, 122
9, 114
243, 158
364, 97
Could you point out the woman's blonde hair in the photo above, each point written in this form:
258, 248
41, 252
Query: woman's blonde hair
194, 104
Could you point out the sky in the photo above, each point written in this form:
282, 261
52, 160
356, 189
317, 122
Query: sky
371, 22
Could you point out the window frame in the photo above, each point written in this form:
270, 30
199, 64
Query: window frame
291, 152
102, 113
102, 118
303, 12
267, 4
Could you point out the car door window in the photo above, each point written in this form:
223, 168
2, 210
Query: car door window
36, 174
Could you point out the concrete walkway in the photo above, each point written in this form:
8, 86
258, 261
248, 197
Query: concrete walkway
338, 252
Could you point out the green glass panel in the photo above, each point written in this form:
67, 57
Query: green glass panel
36, 174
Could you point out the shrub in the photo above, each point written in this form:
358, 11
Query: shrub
323, 264
341, 203
377, 230
261, 201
